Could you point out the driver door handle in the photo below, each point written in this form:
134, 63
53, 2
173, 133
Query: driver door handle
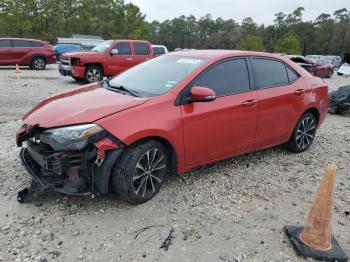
250, 103
129, 58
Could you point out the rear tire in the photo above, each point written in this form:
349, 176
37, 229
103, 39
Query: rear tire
303, 134
38, 63
141, 171
93, 73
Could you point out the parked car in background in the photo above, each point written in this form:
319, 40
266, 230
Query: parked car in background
159, 50
314, 57
26, 52
108, 59
307, 64
336, 60
175, 112
323, 68
65, 48
344, 70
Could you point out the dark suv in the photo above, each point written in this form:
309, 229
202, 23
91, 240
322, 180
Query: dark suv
27, 52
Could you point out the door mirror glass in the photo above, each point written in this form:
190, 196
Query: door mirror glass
202, 94
114, 51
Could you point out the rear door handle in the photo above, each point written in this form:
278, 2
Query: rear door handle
250, 103
300, 92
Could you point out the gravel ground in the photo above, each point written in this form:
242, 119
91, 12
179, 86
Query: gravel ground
230, 211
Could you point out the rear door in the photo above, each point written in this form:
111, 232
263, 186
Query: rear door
120, 62
281, 95
227, 125
5, 51
21, 49
142, 52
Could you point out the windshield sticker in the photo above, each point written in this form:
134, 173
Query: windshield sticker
188, 61
170, 84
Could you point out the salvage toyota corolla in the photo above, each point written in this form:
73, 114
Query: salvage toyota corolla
168, 115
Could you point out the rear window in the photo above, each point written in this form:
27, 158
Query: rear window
4, 43
269, 73
141, 49
22, 43
37, 44
292, 76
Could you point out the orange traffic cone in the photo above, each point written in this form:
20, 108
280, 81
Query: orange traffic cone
315, 240
17, 68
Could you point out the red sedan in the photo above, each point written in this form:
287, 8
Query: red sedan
168, 115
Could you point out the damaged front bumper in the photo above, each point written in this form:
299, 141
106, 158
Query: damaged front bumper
74, 172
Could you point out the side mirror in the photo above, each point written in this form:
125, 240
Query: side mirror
114, 51
202, 94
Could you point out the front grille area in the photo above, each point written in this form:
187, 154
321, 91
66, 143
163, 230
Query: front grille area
53, 161
65, 61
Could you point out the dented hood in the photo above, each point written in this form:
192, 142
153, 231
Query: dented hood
81, 105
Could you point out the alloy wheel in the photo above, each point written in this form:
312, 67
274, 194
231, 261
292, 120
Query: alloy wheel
93, 75
305, 133
148, 173
39, 63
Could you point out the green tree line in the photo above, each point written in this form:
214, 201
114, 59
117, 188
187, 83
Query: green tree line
48, 19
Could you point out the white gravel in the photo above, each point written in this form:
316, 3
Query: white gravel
230, 211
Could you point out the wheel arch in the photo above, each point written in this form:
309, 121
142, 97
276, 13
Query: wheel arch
314, 111
38, 55
173, 155
95, 64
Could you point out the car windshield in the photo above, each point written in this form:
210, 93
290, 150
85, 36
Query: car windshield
157, 76
100, 48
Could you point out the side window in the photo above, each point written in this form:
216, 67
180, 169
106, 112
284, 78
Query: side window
37, 44
269, 73
158, 50
141, 49
5, 43
22, 43
292, 76
123, 49
225, 78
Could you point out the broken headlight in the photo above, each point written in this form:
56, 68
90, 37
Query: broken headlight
70, 137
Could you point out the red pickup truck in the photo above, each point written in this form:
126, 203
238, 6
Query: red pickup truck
109, 58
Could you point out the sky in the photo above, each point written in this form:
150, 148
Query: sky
262, 11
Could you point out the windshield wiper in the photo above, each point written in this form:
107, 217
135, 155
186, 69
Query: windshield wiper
122, 88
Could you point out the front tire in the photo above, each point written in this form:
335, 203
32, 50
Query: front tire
93, 74
141, 171
38, 63
303, 133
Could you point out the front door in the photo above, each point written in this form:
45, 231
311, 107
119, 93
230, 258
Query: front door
227, 125
121, 61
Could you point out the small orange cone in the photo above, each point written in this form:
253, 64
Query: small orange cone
17, 69
315, 240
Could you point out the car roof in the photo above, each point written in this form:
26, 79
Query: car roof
215, 54
26, 39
